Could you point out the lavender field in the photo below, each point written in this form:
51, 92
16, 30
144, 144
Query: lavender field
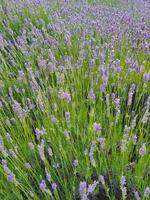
74, 99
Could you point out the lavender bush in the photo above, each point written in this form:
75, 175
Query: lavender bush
74, 100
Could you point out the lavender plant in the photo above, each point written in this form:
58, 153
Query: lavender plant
74, 100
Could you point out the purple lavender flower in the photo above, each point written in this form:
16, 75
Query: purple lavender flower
51, 67
21, 76
145, 45
117, 102
91, 153
116, 68
40, 103
42, 64
11, 178
97, 127
52, 57
147, 191
134, 67
38, 2
102, 180
48, 176
104, 73
113, 96
102, 88
83, 190
91, 95
146, 77
4, 153
31, 194
134, 138
122, 186
126, 130
66, 134
12, 153
42, 185
34, 85
123, 181
92, 187
54, 186
1, 144
142, 150
67, 116
31, 145
18, 109
6, 169
75, 163
39, 132
136, 195
130, 94
67, 39
53, 119
4, 162
64, 96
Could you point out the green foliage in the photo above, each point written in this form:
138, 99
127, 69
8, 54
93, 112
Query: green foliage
110, 161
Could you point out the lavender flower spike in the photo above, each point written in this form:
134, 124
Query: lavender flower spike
54, 186
147, 191
142, 150
42, 185
67, 116
83, 190
97, 127
11, 178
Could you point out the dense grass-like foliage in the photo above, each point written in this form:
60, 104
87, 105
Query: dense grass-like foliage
74, 100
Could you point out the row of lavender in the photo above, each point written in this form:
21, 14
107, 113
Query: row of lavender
74, 100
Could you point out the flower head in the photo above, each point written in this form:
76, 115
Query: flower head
102, 180
97, 127
123, 181
92, 187
54, 186
142, 150
67, 116
11, 178
64, 96
147, 191
83, 190
91, 95
75, 163
42, 185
